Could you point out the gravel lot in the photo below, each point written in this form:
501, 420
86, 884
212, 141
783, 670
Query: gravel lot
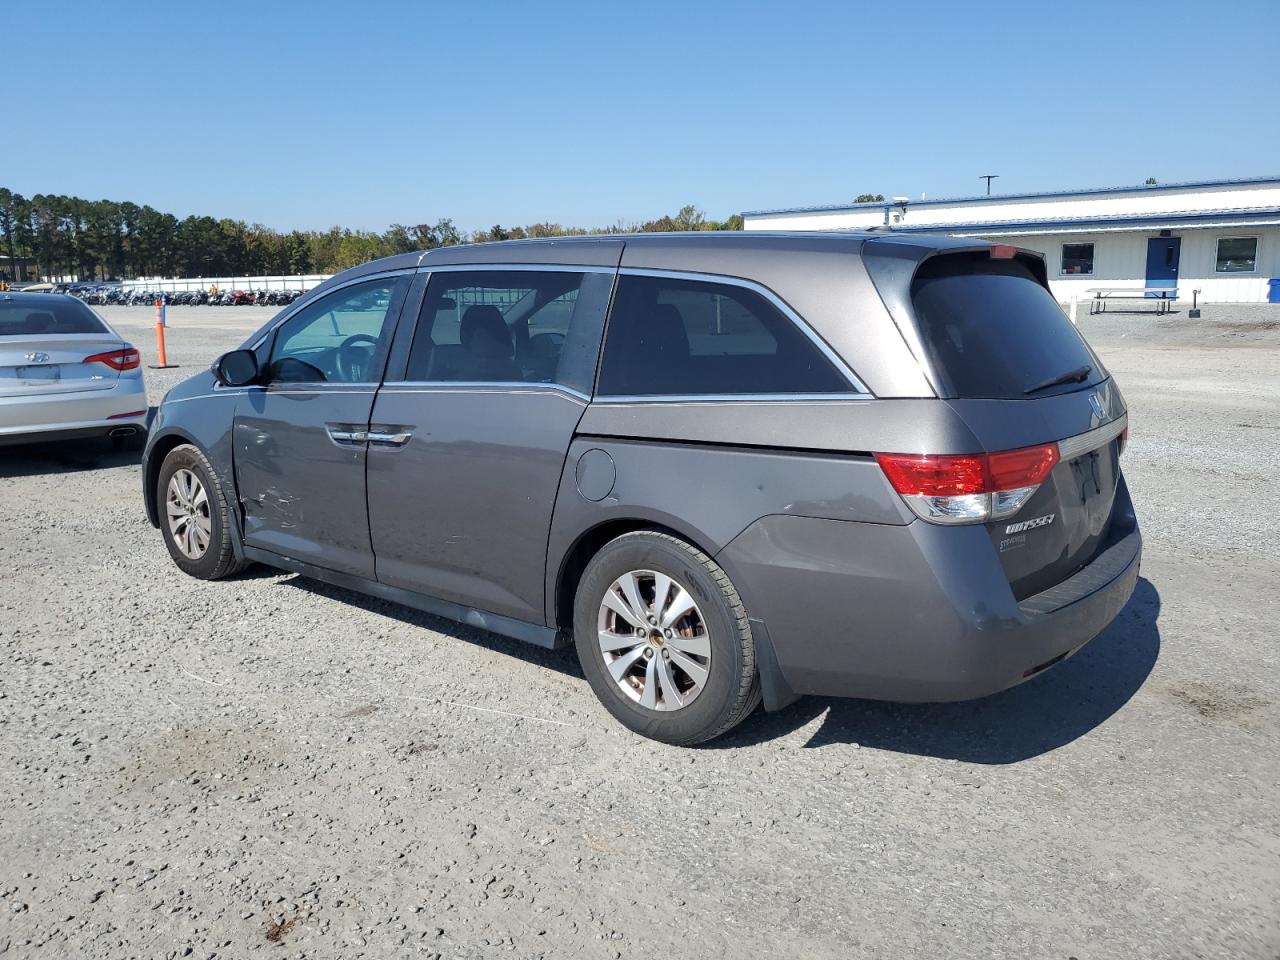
271, 766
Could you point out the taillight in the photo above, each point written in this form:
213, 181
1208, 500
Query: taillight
971, 487
126, 359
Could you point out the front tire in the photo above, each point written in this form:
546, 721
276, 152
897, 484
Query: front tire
663, 639
195, 518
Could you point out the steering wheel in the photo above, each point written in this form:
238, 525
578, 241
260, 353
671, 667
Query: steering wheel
351, 363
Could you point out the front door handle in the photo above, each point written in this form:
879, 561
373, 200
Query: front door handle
397, 437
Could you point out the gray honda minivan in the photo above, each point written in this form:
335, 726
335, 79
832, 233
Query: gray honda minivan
727, 466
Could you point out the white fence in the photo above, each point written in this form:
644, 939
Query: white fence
224, 284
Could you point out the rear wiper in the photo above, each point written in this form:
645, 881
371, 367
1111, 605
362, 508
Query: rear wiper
1071, 376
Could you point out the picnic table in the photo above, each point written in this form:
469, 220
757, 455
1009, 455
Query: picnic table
1163, 296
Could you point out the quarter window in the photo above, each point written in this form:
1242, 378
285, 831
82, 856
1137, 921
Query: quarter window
510, 326
338, 339
690, 337
1077, 258
1237, 255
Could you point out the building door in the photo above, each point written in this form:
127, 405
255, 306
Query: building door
1162, 263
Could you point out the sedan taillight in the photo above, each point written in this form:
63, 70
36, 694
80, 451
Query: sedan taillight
126, 359
968, 488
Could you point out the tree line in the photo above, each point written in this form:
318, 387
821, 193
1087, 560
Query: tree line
107, 239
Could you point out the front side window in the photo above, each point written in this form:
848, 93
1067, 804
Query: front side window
1237, 255
691, 337
1077, 258
510, 326
338, 339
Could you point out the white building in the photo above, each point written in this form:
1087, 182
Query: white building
1221, 237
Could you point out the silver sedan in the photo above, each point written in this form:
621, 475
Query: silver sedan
64, 373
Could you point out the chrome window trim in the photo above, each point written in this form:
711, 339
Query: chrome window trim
482, 386
306, 302
1082, 443
313, 387
303, 386
521, 267
803, 325
719, 398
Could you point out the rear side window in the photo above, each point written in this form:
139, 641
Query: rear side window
676, 337
510, 326
993, 332
56, 316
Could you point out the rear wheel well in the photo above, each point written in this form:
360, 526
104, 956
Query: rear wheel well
586, 547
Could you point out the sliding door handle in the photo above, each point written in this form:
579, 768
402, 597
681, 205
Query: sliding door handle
346, 433
389, 439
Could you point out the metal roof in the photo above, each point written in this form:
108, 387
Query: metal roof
1242, 216
999, 197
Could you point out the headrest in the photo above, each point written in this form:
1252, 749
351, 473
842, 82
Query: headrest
484, 332
38, 323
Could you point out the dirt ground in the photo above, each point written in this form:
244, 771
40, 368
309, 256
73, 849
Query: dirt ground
270, 766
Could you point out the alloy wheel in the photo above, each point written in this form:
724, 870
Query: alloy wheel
187, 508
654, 640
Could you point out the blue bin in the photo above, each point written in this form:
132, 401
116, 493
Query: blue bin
1273, 295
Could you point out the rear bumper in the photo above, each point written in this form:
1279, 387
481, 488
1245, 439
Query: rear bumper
915, 613
114, 428
54, 416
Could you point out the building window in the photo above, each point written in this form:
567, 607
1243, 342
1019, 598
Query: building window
1237, 254
1077, 258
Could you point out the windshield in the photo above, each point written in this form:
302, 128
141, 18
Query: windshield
47, 316
993, 332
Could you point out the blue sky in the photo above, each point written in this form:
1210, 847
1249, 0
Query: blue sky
364, 114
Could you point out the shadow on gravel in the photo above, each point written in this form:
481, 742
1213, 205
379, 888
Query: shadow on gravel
67, 456
564, 660
1046, 712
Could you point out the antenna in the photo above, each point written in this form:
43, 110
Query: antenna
988, 177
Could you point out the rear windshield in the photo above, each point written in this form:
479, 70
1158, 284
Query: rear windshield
52, 317
994, 332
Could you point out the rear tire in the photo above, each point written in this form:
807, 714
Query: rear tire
195, 516
663, 639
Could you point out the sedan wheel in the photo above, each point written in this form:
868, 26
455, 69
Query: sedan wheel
187, 507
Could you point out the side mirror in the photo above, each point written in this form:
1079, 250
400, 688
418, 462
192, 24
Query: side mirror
239, 368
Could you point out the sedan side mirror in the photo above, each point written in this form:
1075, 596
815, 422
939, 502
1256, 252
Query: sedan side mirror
239, 368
